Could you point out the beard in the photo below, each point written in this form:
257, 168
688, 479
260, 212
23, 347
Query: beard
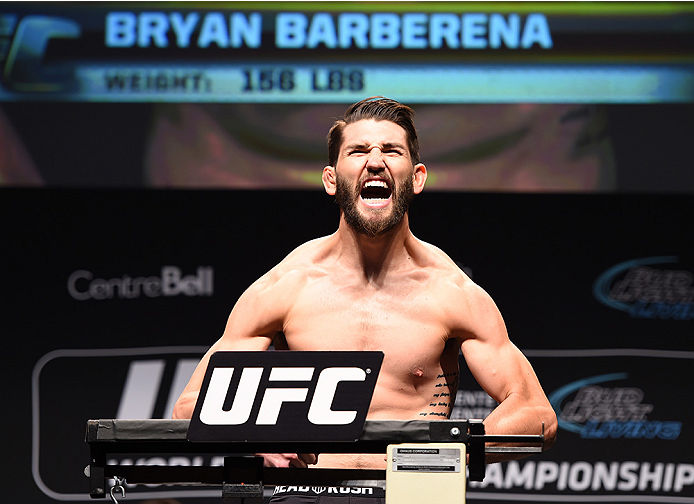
382, 222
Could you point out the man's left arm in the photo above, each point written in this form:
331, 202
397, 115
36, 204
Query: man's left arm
505, 374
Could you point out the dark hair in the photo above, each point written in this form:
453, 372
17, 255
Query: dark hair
378, 108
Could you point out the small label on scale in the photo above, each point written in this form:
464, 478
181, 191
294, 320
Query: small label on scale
426, 459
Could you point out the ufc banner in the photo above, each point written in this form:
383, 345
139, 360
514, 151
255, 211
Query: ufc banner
285, 396
111, 297
620, 439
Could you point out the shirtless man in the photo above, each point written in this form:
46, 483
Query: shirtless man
372, 285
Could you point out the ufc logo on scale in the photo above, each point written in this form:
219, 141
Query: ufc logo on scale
285, 396
319, 412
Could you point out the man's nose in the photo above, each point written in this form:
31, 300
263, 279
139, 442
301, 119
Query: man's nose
375, 160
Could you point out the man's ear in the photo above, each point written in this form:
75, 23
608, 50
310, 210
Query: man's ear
419, 177
329, 180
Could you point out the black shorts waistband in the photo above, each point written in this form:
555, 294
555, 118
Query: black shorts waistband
330, 490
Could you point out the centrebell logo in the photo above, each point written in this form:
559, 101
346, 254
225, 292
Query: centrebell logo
646, 288
84, 285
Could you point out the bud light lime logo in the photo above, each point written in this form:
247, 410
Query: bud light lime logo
647, 288
595, 409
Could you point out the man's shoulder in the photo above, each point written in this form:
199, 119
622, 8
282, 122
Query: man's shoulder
297, 266
452, 280
271, 296
304, 257
441, 262
459, 301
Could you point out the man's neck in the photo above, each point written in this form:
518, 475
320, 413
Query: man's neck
378, 255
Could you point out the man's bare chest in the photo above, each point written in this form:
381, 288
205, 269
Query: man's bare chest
325, 316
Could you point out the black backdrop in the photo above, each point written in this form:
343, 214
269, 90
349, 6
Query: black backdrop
596, 289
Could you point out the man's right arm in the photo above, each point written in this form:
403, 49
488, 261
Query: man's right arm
186, 401
252, 324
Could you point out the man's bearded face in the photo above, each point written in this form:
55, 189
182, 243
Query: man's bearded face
373, 222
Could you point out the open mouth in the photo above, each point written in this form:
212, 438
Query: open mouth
376, 192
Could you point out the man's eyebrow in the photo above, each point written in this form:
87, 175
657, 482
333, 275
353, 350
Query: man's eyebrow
394, 145
356, 145
365, 145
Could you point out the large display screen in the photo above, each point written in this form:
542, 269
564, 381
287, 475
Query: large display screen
519, 96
